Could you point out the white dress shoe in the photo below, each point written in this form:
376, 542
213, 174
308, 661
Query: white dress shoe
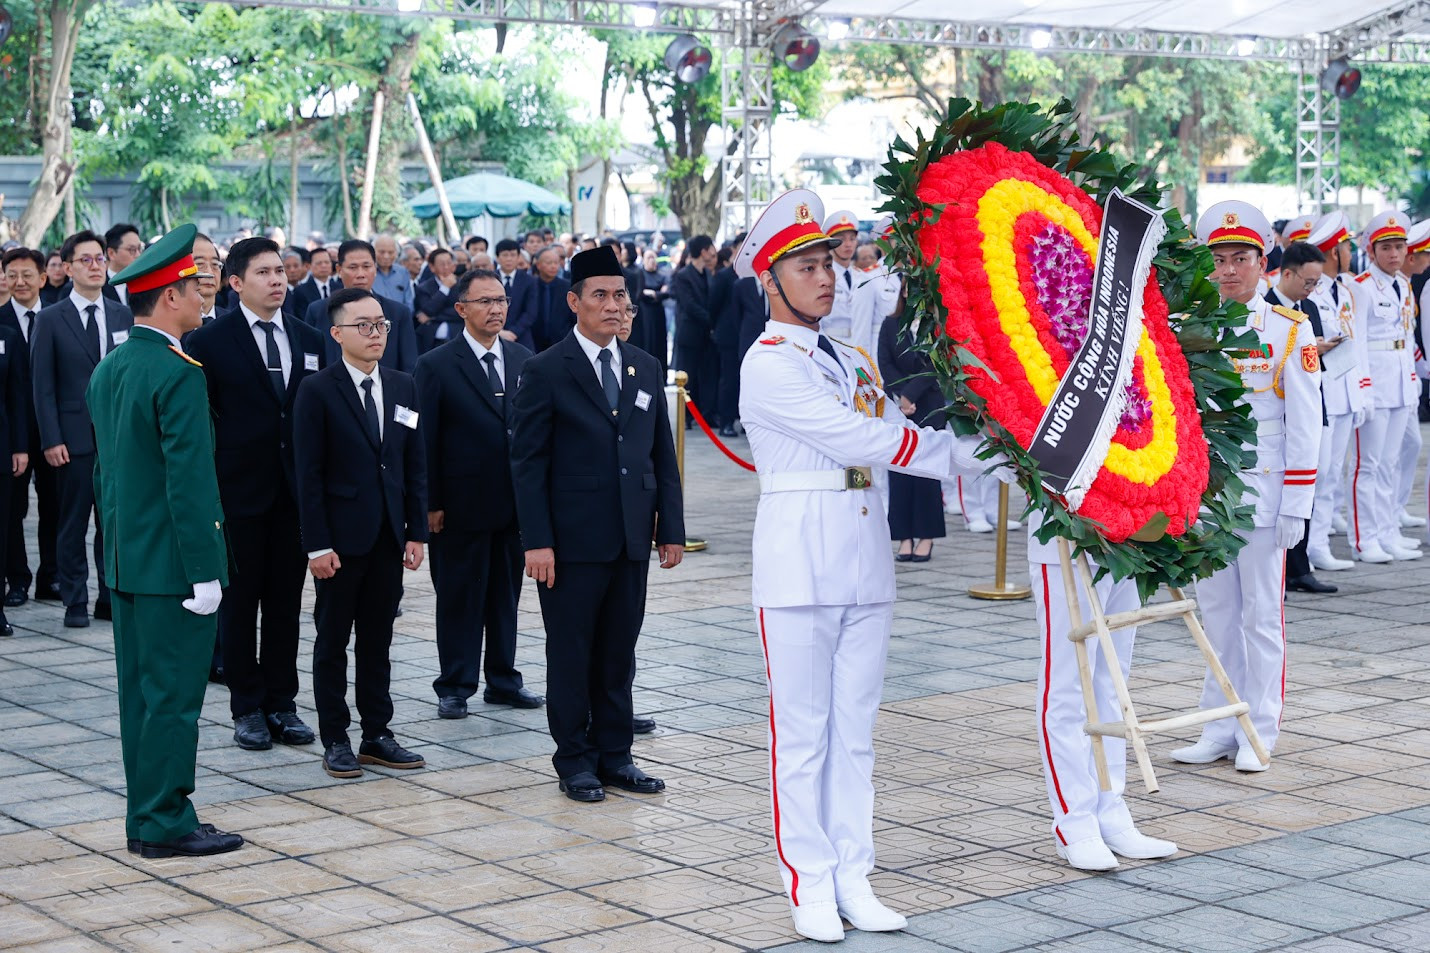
1338, 525
818, 921
1406, 542
1329, 563
979, 526
868, 914
1134, 845
1398, 553
1015, 524
1087, 854
1371, 553
1205, 752
1246, 760
1410, 522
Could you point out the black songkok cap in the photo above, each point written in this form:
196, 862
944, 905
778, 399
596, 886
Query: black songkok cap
596, 263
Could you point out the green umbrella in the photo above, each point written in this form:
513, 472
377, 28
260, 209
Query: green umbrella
486, 193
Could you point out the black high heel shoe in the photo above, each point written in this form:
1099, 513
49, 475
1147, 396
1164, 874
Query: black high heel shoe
905, 557
915, 558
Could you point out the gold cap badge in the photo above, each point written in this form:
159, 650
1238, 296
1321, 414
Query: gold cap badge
1231, 220
801, 214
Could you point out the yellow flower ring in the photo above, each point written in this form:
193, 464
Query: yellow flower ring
1002, 212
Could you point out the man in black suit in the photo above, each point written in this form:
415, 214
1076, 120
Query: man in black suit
362, 502
122, 245
593, 464
695, 325
554, 318
254, 359
437, 319
725, 317
68, 342
319, 284
25, 270
357, 268
752, 312
465, 390
521, 291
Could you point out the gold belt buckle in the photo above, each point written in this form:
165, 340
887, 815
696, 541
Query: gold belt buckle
1399, 344
858, 478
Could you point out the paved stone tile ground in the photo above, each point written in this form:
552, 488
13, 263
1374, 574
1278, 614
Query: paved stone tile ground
1327, 851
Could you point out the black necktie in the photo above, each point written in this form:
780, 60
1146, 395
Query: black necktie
508, 285
609, 384
275, 361
848, 279
93, 312
1336, 292
493, 378
322, 289
29, 324
1395, 286
370, 410
828, 348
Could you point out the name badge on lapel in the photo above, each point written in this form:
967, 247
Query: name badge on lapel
119, 337
2, 347
405, 416
642, 400
310, 362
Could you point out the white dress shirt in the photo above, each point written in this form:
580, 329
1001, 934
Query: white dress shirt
121, 290
592, 351
21, 310
280, 336
167, 336
481, 351
81, 302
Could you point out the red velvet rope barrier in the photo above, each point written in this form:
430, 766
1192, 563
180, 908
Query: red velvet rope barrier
700, 419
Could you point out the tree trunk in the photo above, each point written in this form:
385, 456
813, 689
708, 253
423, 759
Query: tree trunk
57, 166
164, 209
1189, 127
293, 178
345, 177
396, 84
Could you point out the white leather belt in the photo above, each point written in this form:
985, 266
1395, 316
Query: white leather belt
1396, 345
1270, 428
849, 478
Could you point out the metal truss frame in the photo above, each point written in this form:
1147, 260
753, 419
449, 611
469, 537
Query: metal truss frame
1318, 141
747, 111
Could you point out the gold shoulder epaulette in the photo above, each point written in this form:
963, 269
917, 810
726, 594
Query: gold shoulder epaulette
184, 356
1291, 313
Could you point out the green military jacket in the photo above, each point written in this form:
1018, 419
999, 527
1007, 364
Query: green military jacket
154, 480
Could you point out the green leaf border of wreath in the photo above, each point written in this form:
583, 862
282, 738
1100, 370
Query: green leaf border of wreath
1202, 324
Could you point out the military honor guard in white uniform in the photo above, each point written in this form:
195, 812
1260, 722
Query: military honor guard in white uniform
818, 423
876, 297
1345, 380
1242, 603
844, 227
1417, 259
1389, 314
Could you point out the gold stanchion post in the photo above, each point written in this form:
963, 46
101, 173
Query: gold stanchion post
1001, 589
693, 544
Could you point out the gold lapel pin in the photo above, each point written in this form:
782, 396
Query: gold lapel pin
630, 371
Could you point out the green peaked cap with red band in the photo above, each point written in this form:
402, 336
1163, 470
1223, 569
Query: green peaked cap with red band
168, 260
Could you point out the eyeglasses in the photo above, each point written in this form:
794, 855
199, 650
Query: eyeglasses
131, 248
369, 329
89, 261
487, 302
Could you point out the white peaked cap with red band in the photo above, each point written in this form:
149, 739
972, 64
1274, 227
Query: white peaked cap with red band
1330, 230
1235, 223
789, 223
1417, 237
1299, 229
1387, 226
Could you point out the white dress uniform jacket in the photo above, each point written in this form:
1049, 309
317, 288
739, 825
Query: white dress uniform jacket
876, 295
839, 323
1390, 322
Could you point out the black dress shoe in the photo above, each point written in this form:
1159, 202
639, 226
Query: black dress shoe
388, 753
76, 617
583, 787
728, 432
288, 729
642, 725
339, 762
206, 840
103, 611
450, 706
216, 675
49, 593
5, 627
521, 698
250, 731
633, 779
1309, 583
16, 597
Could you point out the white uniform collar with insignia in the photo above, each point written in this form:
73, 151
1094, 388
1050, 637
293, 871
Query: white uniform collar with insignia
1258, 307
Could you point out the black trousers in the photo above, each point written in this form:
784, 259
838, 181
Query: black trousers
478, 581
729, 386
75, 485
593, 616
915, 508
1298, 561
360, 598
267, 573
17, 561
703, 365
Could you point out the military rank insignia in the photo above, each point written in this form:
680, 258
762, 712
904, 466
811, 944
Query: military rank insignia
1310, 358
776, 339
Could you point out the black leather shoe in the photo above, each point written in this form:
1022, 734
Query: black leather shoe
15, 598
250, 731
583, 787
288, 729
76, 617
388, 753
5, 627
103, 611
206, 840
1309, 583
728, 432
450, 706
633, 779
134, 842
339, 762
642, 725
49, 593
216, 675
521, 698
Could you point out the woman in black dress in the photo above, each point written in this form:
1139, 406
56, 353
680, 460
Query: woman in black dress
649, 333
915, 503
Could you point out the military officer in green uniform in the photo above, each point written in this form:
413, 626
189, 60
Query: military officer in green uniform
165, 557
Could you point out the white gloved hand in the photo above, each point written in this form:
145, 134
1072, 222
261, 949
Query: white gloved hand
206, 597
1289, 531
967, 463
1357, 418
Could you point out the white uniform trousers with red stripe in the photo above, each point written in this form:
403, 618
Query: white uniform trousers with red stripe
1330, 478
978, 498
1374, 517
1080, 809
1409, 456
1243, 612
825, 666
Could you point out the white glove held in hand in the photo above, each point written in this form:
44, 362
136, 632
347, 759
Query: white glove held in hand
207, 596
1357, 418
1289, 531
967, 463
